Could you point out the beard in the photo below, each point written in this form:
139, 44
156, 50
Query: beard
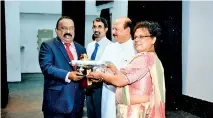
96, 34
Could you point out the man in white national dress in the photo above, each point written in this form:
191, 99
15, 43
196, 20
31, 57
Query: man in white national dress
119, 53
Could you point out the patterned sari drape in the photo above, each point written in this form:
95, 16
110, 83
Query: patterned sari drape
155, 108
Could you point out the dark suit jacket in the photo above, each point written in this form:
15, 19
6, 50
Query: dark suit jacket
58, 95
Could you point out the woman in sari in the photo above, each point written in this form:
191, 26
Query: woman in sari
140, 86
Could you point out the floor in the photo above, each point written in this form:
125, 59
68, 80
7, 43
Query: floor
25, 99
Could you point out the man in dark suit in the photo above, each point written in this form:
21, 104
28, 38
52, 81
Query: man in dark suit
63, 97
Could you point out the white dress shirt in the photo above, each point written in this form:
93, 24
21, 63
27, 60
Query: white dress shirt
75, 56
120, 55
102, 45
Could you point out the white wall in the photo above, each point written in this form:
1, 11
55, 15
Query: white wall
88, 28
91, 9
118, 9
29, 26
31, 20
197, 49
91, 12
47, 7
12, 40
23, 20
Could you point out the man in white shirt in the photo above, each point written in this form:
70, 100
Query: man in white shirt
119, 53
95, 50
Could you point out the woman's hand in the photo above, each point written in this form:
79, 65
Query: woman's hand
112, 68
95, 75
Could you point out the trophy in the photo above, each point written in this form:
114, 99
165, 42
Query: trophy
85, 66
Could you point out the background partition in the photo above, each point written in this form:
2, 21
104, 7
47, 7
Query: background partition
105, 13
169, 16
4, 84
76, 10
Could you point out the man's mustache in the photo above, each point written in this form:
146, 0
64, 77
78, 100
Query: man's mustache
67, 34
96, 33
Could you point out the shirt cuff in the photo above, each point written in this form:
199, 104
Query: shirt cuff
66, 79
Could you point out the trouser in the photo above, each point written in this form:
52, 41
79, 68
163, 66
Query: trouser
61, 115
93, 101
77, 112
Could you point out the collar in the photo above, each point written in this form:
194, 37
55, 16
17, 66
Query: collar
71, 44
127, 43
102, 41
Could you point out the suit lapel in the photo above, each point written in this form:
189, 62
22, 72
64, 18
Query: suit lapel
61, 47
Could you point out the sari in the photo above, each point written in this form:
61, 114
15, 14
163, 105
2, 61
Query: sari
145, 74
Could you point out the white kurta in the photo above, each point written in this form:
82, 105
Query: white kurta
119, 55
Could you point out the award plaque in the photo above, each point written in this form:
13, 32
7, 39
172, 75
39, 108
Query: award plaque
85, 66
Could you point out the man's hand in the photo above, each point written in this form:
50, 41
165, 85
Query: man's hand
74, 76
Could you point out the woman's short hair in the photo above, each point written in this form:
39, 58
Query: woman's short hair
153, 28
